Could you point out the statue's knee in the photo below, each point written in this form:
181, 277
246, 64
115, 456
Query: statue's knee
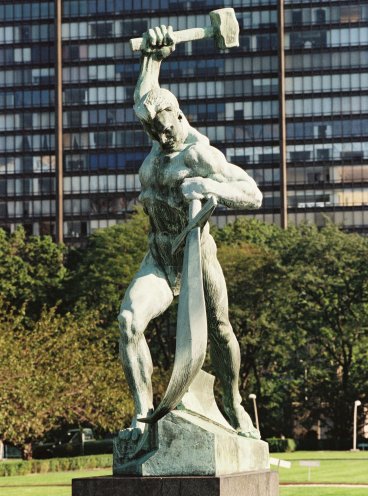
225, 334
130, 329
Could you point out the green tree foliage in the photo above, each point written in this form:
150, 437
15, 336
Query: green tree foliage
61, 370
257, 288
298, 305
31, 270
317, 325
329, 279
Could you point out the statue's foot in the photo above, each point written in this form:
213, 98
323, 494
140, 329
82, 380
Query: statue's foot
130, 434
241, 421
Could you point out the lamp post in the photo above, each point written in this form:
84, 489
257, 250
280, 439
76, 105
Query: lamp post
253, 397
356, 404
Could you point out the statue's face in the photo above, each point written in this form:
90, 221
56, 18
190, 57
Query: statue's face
169, 130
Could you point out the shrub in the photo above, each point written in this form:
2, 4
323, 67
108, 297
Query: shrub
54, 465
281, 445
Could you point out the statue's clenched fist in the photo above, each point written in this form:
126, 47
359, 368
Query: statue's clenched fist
159, 41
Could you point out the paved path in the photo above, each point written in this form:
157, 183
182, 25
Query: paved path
320, 484
36, 485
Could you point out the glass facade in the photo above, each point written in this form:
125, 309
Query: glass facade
232, 97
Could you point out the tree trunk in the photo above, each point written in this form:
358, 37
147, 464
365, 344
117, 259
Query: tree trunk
27, 451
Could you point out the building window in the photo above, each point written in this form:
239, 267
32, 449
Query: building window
25, 33
350, 13
297, 17
3, 187
308, 39
3, 210
320, 16
239, 114
103, 139
300, 156
74, 118
27, 164
74, 95
71, 52
322, 131
102, 29
323, 154
133, 27
47, 185
352, 156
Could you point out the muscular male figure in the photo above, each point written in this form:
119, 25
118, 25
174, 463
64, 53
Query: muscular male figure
181, 166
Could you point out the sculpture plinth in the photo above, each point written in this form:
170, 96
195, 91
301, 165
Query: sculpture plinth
195, 440
198, 454
264, 483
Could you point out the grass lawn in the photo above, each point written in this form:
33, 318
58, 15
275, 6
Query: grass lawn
24, 483
336, 467
323, 491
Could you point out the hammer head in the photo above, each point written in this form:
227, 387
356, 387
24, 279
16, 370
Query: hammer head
225, 27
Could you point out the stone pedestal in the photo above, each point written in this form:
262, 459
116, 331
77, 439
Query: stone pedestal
192, 451
261, 483
195, 440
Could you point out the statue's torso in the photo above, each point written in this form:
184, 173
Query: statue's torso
161, 178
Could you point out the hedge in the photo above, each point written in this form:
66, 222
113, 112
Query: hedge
281, 445
54, 465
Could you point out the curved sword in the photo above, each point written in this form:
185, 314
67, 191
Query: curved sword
191, 329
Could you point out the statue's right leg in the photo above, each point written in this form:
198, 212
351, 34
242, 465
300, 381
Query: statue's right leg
148, 296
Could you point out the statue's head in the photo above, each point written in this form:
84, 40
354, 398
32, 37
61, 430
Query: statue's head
162, 118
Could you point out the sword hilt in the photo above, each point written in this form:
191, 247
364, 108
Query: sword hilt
197, 218
194, 208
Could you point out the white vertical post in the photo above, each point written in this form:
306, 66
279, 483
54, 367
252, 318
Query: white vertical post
355, 426
253, 397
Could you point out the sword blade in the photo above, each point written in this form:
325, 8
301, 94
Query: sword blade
191, 332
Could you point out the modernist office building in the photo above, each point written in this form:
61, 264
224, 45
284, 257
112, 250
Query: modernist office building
290, 105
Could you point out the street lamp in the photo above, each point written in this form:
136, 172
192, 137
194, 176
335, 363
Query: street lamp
253, 397
356, 404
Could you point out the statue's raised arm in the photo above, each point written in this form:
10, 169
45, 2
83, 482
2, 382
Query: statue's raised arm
157, 44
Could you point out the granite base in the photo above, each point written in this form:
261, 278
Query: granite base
261, 483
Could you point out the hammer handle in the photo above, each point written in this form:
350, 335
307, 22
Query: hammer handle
179, 37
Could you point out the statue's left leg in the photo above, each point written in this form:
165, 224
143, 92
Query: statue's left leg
224, 347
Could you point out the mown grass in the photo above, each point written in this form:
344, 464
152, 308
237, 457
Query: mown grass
322, 491
28, 484
336, 467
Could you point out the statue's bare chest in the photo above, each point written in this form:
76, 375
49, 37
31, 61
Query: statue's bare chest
161, 195
163, 175
168, 171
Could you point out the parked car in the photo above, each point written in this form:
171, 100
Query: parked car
8, 450
75, 442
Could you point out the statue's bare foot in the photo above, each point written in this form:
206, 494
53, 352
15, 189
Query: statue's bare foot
241, 421
134, 432
130, 434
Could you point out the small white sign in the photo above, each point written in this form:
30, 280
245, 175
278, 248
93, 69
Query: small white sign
309, 463
280, 463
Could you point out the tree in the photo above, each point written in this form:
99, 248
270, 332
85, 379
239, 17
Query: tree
61, 370
31, 270
329, 278
319, 314
258, 290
